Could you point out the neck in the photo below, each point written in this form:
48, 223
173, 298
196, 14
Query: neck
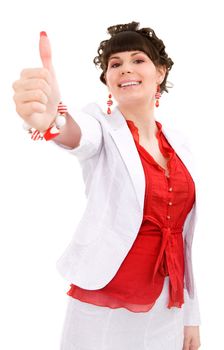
143, 118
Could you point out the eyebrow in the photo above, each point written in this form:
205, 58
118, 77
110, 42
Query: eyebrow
133, 54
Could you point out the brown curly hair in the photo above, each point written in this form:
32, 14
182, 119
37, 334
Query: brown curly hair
128, 37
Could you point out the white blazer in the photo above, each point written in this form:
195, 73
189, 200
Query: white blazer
115, 188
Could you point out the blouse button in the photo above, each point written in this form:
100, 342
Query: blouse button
170, 189
170, 203
168, 217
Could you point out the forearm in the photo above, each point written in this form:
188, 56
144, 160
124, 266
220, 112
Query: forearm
70, 133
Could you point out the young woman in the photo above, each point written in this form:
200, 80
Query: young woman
129, 264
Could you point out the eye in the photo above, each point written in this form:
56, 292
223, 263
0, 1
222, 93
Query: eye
139, 60
114, 64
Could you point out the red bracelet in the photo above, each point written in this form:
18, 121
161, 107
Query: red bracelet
53, 130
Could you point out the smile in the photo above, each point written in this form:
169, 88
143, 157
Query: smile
130, 84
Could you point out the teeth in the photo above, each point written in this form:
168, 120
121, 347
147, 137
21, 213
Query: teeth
130, 83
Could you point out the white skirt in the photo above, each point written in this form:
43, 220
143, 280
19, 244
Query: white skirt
92, 327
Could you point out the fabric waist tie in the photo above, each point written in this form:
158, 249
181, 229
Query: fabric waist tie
167, 248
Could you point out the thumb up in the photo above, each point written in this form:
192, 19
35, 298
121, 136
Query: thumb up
45, 51
37, 93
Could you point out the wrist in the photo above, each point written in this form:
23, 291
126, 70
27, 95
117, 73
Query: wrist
54, 128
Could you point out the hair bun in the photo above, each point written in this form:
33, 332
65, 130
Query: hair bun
113, 30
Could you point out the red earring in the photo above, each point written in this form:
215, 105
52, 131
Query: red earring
109, 103
157, 96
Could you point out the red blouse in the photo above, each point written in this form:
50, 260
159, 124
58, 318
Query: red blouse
158, 249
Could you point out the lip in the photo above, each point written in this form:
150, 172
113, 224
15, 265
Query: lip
128, 81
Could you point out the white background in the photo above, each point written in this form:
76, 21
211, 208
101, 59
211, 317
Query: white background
42, 193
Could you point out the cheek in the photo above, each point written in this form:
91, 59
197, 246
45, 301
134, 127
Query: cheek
110, 75
149, 72
111, 81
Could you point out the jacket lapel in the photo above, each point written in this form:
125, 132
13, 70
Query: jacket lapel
124, 141
181, 147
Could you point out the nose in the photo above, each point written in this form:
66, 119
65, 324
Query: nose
126, 68
124, 72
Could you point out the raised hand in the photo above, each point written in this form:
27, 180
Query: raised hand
36, 92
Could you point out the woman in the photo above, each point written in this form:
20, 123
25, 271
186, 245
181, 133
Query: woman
129, 264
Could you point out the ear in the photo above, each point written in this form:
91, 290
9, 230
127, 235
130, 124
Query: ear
161, 72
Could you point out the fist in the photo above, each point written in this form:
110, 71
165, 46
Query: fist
36, 93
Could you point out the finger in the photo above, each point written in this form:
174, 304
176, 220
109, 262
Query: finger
32, 84
186, 345
29, 96
25, 110
36, 73
194, 346
45, 51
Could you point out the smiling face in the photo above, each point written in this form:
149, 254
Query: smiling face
132, 77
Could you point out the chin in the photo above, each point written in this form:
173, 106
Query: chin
132, 100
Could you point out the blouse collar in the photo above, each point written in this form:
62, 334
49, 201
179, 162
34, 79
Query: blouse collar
134, 130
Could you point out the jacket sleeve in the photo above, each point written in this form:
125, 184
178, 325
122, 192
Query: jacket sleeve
192, 315
91, 137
